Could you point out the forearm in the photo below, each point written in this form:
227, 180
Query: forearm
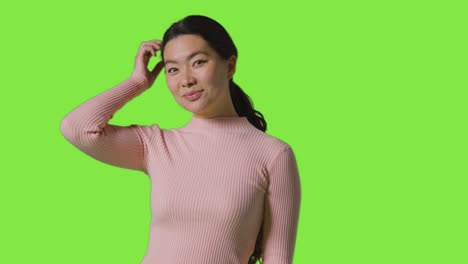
94, 114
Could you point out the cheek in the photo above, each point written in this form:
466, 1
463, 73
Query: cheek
209, 76
171, 84
218, 73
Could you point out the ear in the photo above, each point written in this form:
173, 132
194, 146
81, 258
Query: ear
232, 61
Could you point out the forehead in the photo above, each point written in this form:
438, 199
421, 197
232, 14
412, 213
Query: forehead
180, 47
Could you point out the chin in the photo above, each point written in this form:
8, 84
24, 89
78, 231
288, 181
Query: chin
194, 107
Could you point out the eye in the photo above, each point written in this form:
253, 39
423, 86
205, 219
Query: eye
198, 62
201, 61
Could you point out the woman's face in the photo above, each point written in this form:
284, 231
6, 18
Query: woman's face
191, 65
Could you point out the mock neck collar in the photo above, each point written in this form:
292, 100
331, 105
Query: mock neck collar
218, 124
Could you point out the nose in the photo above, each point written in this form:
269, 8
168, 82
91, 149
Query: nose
188, 79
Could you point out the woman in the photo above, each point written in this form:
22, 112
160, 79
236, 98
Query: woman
222, 190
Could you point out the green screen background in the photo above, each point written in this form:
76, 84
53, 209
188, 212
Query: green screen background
371, 95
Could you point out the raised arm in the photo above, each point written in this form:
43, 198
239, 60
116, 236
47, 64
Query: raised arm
87, 127
282, 205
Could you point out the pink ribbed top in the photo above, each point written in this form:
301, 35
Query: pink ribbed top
213, 181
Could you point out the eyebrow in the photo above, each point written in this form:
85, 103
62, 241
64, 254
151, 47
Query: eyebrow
188, 57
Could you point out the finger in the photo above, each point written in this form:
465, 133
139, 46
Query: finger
157, 44
156, 49
148, 51
152, 47
148, 43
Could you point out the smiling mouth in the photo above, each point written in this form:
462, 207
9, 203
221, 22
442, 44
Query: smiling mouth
193, 96
192, 93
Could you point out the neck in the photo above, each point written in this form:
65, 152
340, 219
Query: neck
215, 116
221, 108
224, 124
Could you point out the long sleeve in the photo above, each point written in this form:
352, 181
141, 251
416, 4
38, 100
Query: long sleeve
87, 128
282, 205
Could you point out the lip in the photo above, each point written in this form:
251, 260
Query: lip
191, 93
192, 96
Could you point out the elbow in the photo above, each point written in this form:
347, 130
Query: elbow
69, 129
77, 133
66, 129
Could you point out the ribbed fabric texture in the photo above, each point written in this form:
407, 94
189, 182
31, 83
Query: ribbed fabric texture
213, 181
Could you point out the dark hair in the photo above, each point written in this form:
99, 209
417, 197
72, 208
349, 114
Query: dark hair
219, 40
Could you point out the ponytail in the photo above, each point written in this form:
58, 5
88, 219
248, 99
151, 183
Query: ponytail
244, 106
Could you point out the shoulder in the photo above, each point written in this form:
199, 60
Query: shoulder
282, 149
272, 143
271, 147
